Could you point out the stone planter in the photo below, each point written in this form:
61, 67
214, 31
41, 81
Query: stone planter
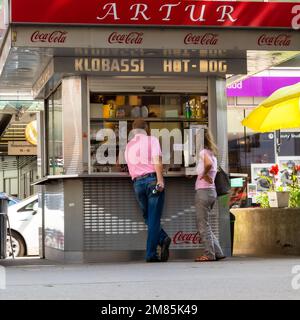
279, 199
261, 232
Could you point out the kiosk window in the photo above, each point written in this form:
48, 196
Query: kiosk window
54, 134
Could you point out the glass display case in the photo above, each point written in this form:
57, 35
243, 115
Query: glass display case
116, 112
54, 135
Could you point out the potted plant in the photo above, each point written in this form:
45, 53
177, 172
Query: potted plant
278, 198
294, 188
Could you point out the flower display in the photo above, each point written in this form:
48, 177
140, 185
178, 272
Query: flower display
274, 170
291, 183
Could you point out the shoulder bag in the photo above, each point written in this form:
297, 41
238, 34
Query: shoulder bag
222, 182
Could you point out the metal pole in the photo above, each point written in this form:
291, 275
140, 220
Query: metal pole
43, 221
277, 144
10, 238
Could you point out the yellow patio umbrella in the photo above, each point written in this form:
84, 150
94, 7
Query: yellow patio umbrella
280, 111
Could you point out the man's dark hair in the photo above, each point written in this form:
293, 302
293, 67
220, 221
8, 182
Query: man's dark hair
140, 124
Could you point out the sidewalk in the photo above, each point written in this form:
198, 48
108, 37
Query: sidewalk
234, 278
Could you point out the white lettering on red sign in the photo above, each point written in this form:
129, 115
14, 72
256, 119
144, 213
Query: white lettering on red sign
226, 13
281, 40
205, 39
140, 10
169, 10
192, 12
111, 11
143, 12
180, 237
296, 19
129, 38
50, 37
160, 13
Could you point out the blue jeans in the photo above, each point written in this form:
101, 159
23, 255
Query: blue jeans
152, 208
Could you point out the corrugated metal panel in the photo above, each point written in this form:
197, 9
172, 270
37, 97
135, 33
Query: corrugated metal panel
113, 221
137, 84
8, 163
14, 163
27, 160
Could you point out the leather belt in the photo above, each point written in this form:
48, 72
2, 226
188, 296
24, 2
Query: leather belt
148, 175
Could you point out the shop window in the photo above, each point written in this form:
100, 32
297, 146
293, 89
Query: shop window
54, 134
290, 143
161, 111
246, 147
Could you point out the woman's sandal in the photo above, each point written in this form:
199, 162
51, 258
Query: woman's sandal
220, 258
203, 259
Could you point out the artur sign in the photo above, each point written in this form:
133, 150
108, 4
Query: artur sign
158, 13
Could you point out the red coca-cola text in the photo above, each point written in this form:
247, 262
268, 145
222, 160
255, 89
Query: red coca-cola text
181, 237
126, 38
204, 39
281, 40
50, 37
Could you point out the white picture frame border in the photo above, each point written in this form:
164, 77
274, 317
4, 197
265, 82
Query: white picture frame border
259, 166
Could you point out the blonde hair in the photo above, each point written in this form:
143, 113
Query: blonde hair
209, 142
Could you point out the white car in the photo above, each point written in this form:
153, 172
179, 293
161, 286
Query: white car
24, 223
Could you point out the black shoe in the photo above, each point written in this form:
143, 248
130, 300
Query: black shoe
153, 260
220, 258
165, 249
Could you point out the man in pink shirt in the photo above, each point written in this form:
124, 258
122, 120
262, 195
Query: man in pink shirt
143, 157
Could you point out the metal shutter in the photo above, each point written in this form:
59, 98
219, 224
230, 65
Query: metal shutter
113, 221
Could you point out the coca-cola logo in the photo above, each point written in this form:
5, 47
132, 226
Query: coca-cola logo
281, 40
126, 38
210, 39
181, 237
50, 37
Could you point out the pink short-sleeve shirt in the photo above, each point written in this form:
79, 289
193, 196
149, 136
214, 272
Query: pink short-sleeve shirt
139, 154
201, 183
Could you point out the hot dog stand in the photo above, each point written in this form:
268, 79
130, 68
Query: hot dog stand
100, 68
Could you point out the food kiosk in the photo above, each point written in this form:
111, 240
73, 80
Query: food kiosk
100, 66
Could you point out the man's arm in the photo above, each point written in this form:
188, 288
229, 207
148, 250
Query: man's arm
156, 156
159, 171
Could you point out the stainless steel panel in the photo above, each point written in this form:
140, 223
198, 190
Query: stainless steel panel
72, 125
54, 215
218, 124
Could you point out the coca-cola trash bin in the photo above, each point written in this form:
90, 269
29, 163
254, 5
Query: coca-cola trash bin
3, 224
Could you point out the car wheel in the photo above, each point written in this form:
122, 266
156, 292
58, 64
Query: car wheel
18, 245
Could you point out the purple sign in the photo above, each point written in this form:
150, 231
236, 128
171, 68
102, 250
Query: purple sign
260, 86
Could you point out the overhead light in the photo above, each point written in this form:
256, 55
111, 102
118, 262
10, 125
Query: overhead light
150, 53
149, 89
24, 69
